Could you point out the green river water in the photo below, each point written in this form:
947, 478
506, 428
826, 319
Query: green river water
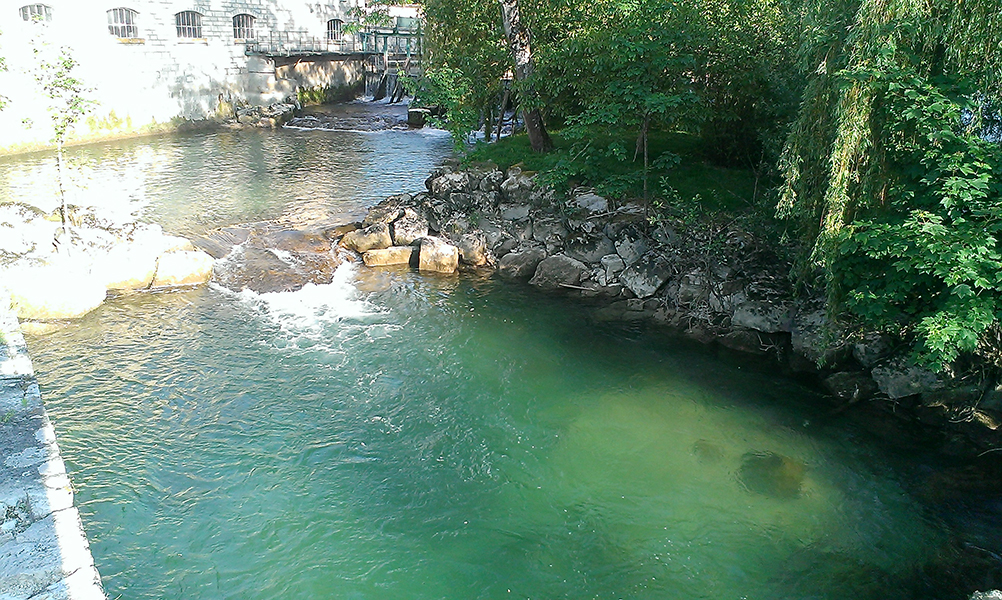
399, 436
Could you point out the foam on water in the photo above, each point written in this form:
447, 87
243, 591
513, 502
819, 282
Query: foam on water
313, 308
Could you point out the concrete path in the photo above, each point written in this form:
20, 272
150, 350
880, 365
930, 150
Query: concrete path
44, 554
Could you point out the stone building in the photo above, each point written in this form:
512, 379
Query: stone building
152, 63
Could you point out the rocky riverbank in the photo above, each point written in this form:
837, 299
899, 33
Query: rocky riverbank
719, 286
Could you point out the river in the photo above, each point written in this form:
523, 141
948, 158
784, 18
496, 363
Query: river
399, 436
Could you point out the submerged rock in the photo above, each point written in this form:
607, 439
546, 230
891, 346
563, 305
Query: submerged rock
707, 452
772, 474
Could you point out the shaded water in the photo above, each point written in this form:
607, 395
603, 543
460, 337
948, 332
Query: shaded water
393, 435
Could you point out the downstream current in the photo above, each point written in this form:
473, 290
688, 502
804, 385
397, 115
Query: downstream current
399, 436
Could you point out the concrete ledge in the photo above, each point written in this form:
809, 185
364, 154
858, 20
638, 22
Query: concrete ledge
44, 552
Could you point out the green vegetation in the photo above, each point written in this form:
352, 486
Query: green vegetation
871, 128
66, 96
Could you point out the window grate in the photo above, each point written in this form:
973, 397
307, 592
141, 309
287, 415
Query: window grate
122, 23
40, 12
243, 27
335, 30
189, 24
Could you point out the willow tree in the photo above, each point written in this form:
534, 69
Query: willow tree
892, 172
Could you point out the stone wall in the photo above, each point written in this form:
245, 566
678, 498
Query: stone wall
157, 79
43, 549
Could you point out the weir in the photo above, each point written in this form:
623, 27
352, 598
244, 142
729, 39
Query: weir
43, 549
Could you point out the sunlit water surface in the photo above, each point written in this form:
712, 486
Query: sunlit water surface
398, 436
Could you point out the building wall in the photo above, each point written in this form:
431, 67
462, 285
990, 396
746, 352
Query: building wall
159, 78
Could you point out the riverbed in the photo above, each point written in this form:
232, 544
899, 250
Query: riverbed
395, 435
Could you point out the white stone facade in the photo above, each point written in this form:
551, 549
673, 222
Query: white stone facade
157, 76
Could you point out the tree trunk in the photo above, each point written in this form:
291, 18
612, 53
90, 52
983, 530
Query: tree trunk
518, 41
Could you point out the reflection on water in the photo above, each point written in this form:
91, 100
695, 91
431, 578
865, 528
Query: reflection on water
452, 438
190, 183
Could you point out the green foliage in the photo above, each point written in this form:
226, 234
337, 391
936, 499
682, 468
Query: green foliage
929, 259
67, 102
453, 91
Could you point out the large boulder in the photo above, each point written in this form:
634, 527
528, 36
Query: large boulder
438, 255
128, 266
899, 378
448, 183
473, 249
767, 317
589, 202
592, 250
558, 271
384, 257
521, 265
646, 277
631, 247
373, 237
409, 228
53, 292
182, 268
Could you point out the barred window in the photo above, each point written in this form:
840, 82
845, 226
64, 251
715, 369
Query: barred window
122, 23
189, 24
335, 30
243, 27
42, 12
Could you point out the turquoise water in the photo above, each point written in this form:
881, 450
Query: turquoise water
400, 436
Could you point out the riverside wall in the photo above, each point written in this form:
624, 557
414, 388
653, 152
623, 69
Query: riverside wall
157, 80
44, 553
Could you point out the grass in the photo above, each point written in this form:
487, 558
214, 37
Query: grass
606, 162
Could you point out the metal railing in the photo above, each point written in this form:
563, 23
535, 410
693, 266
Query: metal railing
289, 43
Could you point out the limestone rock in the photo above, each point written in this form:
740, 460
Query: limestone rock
444, 185
590, 202
62, 291
631, 248
743, 340
517, 188
182, 268
991, 595
899, 378
613, 265
767, 317
436, 254
646, 277
129, 266
373, 237
872, 349
809, 337
521, 265
491, 181
557, 271
851, 386
518, 212
383, 257
473, 249
408, 228
385, 212
592, 250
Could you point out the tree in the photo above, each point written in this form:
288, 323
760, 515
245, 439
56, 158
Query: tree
519, 42
66, 103
892, 173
